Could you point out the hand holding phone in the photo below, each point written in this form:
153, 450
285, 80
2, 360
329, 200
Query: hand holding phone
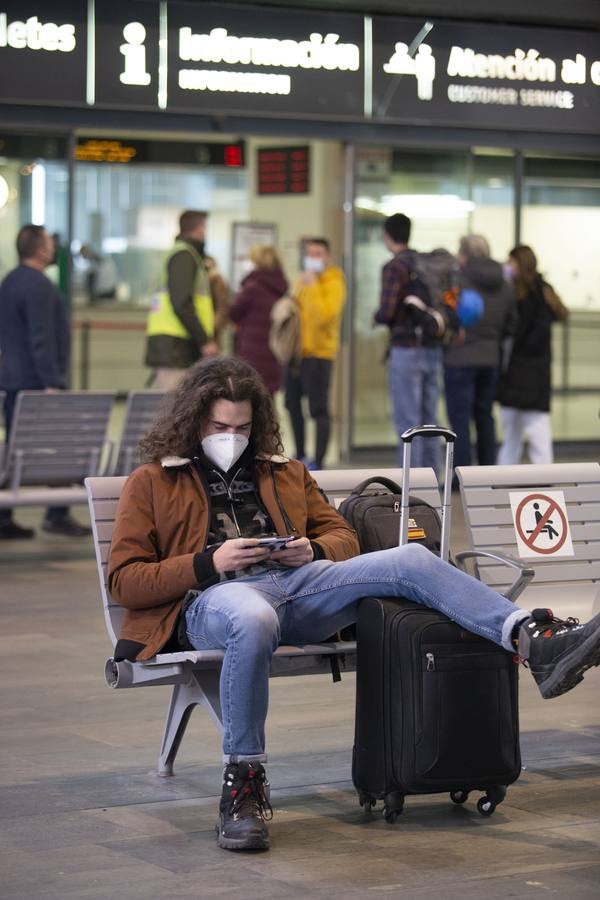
276, 542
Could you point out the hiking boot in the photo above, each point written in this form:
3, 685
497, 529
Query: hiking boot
244, 808
558, 651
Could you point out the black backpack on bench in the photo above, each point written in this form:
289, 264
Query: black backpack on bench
375, 516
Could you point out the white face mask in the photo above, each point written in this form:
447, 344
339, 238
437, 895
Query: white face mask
246, 267
313, 264
224, 449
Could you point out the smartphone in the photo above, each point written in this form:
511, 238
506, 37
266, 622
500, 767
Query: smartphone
277, 542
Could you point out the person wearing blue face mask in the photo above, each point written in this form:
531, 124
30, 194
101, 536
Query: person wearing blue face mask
320, 292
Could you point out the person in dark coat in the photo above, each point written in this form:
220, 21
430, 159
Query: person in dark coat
34, 353
251, 309
472, 363
524, 389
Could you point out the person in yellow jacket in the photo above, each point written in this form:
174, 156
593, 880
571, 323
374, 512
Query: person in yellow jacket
320, 292
181, 322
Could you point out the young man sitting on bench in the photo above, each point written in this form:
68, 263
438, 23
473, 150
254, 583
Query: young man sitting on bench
191, 565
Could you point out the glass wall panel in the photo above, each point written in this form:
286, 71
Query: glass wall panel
32, 190
493, 198
561, 222
126, 219
446, 194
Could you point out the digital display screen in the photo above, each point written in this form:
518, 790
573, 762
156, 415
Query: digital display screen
283, 170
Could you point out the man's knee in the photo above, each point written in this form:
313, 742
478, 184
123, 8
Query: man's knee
256, 623
414, 556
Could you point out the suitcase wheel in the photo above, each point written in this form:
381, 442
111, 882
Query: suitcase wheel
366, 800
459, 796
393, 804
487, 804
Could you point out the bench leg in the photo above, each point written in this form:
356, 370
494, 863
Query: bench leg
203, 690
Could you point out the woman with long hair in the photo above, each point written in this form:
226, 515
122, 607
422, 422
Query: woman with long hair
251, 309
525, 387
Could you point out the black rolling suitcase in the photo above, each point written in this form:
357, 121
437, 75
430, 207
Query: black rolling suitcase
436, 706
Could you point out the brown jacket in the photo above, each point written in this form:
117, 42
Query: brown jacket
162, 523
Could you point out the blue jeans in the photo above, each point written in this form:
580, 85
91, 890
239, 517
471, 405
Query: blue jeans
415, 383
470, 394
250, 616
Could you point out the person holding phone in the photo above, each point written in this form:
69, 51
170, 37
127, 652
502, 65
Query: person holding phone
193, 564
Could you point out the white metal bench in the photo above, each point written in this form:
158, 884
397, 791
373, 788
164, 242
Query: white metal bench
195, 674
569, 582
140, 412
56, 440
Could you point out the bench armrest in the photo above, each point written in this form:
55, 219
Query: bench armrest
525, 576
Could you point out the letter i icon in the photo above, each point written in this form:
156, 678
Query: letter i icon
135, 55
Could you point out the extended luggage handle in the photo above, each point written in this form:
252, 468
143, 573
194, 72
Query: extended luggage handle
407, 438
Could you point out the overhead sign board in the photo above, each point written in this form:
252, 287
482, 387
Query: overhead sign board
43, 54
242, 59
225, 57
494, 75
204, 153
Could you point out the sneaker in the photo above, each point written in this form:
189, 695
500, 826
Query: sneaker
66, 526
558, 651
244, 808
13, 531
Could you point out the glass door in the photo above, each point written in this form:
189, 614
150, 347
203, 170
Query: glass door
446, 194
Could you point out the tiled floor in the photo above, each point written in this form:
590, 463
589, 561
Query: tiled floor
84, 817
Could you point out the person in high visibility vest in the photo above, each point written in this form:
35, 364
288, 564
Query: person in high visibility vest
181, 322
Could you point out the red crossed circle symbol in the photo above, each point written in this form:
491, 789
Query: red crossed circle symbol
529, 539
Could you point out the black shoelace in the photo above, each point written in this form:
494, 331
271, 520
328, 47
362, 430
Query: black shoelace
252, 793
545, 617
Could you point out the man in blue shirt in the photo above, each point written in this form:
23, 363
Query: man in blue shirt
34, 351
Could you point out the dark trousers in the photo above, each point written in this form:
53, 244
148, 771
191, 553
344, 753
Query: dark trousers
310, 379
53, 513
470, 394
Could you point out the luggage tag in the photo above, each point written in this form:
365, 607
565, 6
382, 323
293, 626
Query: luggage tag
415, 532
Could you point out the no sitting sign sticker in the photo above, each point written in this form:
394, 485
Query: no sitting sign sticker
541, 524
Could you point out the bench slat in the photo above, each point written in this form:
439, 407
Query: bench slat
525, 476
578, 512
489, 536
498, 497
577, 571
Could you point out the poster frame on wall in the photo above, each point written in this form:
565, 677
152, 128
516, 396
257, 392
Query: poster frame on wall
243, 236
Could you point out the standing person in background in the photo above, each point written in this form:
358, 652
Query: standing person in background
251, 309
219, 291
34, 352
320, 292
181, 321
525, 387
472, 362
415, 358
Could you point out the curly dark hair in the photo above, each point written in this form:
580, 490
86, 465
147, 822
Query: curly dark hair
177, 429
